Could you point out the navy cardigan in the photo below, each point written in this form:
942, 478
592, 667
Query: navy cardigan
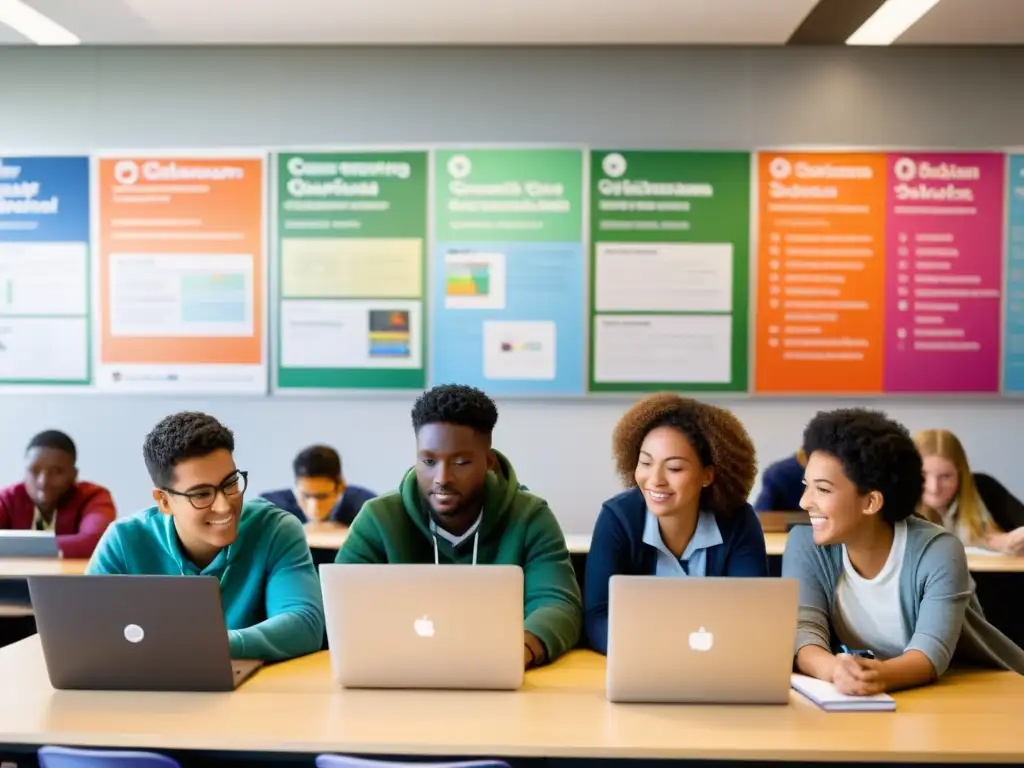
782, 487
617, 547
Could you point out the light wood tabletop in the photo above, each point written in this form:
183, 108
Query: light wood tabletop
561, 711
22, 567
332, 539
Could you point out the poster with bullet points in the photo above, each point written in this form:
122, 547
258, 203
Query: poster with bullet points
670, 259
1013, 341
944, 278
879, 272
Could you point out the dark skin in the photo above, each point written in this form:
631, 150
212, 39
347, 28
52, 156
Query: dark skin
452, 462
50, 475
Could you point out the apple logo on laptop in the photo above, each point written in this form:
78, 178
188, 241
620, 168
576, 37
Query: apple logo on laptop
701, 640
133, 633
424, 627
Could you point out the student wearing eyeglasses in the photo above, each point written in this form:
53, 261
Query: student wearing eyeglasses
202, 526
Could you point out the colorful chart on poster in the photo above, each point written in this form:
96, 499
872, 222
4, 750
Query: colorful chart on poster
1013, 332
182, 273
878, 272
45, 325
351, 237
670, 236
509, 270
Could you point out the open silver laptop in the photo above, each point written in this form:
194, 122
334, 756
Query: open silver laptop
701, 640
23, 543
425, 626
135, 633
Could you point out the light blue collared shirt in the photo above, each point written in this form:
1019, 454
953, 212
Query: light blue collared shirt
694, 559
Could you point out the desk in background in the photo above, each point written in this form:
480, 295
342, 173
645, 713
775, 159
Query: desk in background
561, 712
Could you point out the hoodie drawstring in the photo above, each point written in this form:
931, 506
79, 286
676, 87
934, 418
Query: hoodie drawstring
437, 558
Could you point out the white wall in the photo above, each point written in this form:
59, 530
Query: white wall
712, 98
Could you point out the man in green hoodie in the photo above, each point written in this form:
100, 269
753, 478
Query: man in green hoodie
273, 608
462, 503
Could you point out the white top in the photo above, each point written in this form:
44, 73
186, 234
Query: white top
867, 613
451, 537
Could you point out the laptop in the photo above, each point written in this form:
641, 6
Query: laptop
456, 627
135, 633
23, 543
701, 640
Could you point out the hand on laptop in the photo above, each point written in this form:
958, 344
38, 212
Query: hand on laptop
534, 653
855, 676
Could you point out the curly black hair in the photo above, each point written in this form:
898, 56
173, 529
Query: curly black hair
877, 454
317, 461
55, 439
182, 436
717, 436
455, 404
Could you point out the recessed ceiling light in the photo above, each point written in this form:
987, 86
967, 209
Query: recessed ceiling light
40, 29
891, 20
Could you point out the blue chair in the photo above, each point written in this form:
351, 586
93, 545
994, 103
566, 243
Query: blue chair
65, 757
343, 761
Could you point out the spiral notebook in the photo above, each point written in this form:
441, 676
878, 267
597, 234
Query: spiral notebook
826, 696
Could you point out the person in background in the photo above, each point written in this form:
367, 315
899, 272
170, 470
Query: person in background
874, 577
462, 503
782, 485
201, 526
952, 499
689, 468
320, 497
52, 498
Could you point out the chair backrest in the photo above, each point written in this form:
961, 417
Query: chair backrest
343, 761
66, 757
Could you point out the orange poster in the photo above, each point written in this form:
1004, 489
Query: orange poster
182, 271
820, 273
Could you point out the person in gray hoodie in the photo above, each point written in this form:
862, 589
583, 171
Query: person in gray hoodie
886, 599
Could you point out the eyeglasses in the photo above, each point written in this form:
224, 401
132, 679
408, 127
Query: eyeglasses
204, 496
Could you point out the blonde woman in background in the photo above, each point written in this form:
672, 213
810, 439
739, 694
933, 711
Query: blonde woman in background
952, 498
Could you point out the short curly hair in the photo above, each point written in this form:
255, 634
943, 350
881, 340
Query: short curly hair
455, 404
718, 437
180, 437
877, 454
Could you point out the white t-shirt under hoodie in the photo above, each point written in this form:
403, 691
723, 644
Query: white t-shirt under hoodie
867, 613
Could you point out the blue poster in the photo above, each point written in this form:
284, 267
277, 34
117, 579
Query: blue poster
509, 317
44, 271
1013, 334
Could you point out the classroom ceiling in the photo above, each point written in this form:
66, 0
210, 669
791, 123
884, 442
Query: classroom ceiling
513, 22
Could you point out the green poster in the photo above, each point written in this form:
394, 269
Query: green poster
351, 234
508, 195
670, 240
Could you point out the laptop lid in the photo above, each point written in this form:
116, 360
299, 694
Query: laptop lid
133, 633
425, 626
701, 640
22, 543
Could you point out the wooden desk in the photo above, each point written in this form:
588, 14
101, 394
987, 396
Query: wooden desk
332, 540
560, 712
22, 567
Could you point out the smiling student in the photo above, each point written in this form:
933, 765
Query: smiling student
953, 497
689, 467
874, 576
52, 498
201, 526
462, 503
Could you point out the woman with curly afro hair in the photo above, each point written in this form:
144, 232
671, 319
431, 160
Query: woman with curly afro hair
886, 599
689, 468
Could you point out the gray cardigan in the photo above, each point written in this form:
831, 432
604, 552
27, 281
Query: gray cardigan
937, 598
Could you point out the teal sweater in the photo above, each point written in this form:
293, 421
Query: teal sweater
273, 607
517, 528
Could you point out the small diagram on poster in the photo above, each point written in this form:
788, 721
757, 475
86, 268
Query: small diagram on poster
474, 280
390, 336
519, 350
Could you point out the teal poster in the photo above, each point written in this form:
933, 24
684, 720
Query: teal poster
509, 296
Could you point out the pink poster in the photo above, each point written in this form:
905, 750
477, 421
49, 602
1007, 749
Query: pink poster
944, 272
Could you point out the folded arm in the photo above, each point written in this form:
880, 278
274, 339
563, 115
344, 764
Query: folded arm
295, 612
553, 609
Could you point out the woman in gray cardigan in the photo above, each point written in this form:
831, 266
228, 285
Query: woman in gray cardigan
886, 598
